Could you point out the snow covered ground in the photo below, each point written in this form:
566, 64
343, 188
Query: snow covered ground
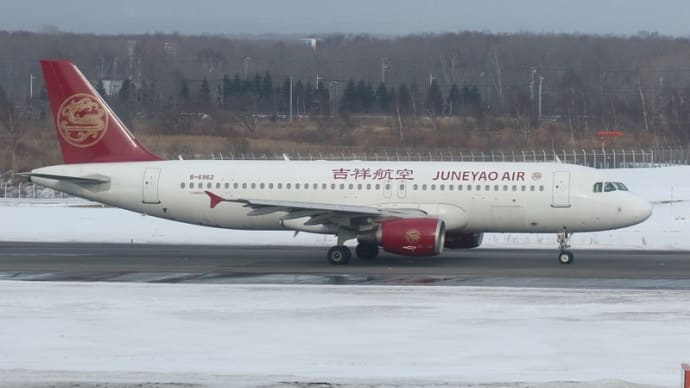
231, 335
189, 335
51, 221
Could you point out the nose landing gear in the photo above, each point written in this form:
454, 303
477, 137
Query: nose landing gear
565, 256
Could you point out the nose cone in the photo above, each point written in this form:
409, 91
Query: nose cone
641, 210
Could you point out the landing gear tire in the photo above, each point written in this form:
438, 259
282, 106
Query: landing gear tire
566, 257
339, 255
367, 251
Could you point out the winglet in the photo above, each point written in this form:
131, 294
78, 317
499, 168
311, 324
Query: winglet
215, 199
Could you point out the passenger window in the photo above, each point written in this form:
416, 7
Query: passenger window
459, 187
402, 187
531, 188
227, 185
479, 188
442, 187
505, 187
487, 188
514, 187
597, 187
433, 187
332, 186
469, 187
235, 185
315, 186
450, 187
496, 188
541, 187
261, 186
253, 185
359, 186
182, 185
296, 186
306, 186
218, 185
351, 186
324, 186
244, 185
523, 188
288, 185
209, 185
388, 186
270, 186
378, 187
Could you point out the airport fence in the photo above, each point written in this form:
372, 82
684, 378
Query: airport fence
596, 158
16, 188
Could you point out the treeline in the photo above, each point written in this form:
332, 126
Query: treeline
579, 83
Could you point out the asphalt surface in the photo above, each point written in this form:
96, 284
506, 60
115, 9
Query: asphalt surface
308, 265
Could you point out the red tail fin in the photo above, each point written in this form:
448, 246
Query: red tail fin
89, 131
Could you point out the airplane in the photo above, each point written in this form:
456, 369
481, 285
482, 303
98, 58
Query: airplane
406, 208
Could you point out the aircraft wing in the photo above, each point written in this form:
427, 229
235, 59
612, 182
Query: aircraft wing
319, 213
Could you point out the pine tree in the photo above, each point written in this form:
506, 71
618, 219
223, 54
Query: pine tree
382, 98
434, 99
183, 92
204, 95
266, 85
348, 102
454, 100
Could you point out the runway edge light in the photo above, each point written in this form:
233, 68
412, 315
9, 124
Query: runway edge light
685, 377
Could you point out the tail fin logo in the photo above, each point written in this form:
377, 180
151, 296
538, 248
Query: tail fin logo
82, 120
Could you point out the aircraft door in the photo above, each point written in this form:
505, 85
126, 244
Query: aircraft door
151, 176
402, 189
387, 189
561, 189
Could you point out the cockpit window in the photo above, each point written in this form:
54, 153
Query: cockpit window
609, 186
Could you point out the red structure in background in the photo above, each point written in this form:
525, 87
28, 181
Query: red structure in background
606, 136
686, 375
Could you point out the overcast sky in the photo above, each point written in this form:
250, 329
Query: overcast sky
391, 17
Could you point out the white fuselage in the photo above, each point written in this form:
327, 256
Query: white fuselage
468, 197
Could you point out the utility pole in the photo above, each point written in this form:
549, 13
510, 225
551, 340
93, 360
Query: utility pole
246, 66
316, 86
290, 98
31, 89
533, 71
384, 69
541, 81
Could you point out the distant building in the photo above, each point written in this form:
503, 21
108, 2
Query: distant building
112, 87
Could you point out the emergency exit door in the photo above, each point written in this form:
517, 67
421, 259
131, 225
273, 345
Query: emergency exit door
561, 189
151, 176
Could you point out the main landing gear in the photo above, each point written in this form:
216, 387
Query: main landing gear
564, 256
341, 255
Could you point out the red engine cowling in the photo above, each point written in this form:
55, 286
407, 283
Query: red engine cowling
412, 236
460, 240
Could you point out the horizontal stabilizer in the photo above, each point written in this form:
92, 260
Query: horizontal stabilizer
90, 179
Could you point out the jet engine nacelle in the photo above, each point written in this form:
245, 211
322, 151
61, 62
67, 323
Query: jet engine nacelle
412, 236
459, 240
